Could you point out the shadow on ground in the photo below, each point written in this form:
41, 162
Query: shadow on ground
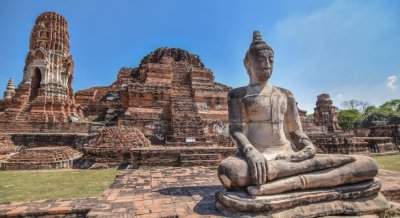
204, 196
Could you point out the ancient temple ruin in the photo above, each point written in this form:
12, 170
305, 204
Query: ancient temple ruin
325, 113
45, 93
325, 133
171, 97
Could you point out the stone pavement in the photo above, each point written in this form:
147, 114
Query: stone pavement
150, 192
161, 192
390, 184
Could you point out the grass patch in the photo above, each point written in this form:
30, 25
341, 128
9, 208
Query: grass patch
53, 184
388, 162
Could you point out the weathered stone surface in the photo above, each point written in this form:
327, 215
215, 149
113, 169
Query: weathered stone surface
371, 205
270, 204
276, 159
390, 184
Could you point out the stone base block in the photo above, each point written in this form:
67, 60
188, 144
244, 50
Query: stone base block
351, 200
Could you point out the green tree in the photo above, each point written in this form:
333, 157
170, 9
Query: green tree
376, 118
370, 109
348, 118
386, 114
391, 106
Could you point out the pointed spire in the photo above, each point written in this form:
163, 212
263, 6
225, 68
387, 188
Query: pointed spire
10, 85
10, 90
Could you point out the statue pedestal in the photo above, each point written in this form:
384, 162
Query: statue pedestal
351, 200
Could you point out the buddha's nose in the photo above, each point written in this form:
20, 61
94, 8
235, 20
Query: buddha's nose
268, 64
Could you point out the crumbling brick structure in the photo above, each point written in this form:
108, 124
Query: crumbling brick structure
41, 158
392, 131
325, 113
324, 132
171, 97
45, 92
6, 145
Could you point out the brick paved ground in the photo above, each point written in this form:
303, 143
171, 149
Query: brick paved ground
150, 192
162, 192
50, 208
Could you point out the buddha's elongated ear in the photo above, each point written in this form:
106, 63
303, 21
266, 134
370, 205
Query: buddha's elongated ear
246, 62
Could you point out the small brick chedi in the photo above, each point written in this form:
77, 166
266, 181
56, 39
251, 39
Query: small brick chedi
325, 113
45, 92
41, 158
171, 97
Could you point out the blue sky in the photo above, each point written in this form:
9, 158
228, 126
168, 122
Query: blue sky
349, 49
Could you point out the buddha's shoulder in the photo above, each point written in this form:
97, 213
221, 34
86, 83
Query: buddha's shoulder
238, 92
283, 91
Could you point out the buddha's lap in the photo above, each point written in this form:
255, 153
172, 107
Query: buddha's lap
234, 170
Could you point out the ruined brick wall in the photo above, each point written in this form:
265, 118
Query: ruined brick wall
392, 131
171, 96
162, 156
6, 144
47, 140
45, 127
346, 143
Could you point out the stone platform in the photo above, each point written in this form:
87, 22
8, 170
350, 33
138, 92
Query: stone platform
355, 199
149, 192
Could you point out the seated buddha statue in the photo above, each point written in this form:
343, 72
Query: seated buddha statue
274, 155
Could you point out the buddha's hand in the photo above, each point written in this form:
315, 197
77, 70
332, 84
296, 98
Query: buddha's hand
306, 153
257, 166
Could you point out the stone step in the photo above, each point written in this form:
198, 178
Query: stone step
189, 144
199, 157
200, 163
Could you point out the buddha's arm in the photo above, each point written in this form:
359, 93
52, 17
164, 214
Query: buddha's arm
255, 160
304, 145
235, 125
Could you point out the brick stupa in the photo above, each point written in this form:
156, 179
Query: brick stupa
45, 92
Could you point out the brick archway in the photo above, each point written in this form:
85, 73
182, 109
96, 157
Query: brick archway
35, 83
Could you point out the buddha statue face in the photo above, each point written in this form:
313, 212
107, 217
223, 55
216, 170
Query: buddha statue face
260, 65
259, 60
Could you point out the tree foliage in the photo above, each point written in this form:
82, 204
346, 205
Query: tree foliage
348, 118
391, 106
360, 114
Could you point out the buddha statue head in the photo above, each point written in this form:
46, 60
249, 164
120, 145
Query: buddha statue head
259, 60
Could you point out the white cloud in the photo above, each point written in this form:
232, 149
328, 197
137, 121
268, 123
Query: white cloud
373, 94
331, 46
391, 82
